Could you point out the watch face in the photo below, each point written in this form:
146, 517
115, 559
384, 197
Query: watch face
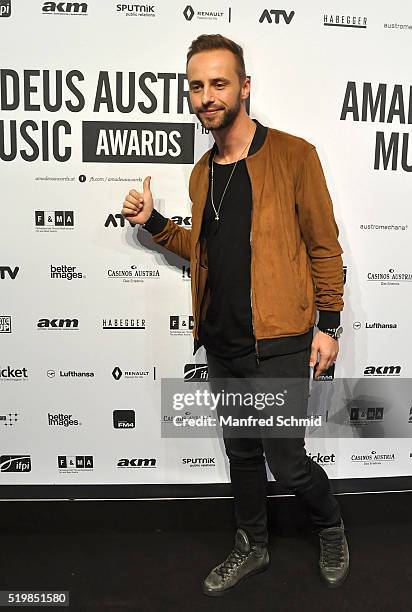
339, 331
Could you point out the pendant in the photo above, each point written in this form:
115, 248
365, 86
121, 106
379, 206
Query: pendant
217, 218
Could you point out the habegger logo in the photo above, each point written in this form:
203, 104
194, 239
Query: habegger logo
345, 21
132, 142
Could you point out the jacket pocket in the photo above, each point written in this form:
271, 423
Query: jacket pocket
300, 280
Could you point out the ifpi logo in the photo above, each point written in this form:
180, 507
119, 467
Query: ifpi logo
5, 8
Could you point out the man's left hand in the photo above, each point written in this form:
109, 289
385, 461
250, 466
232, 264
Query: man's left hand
328, 349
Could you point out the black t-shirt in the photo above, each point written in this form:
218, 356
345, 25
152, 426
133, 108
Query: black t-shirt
227, 329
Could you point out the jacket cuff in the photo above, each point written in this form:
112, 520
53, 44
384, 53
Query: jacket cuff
328, 319
155, 223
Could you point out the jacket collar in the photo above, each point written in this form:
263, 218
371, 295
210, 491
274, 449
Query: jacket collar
257, 142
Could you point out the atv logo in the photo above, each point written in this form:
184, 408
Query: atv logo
277, 14
6, 271
120, 222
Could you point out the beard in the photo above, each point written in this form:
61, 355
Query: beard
225, 118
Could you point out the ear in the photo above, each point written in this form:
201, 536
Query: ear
245, 90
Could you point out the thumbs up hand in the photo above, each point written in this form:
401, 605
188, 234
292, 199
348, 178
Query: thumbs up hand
138, 205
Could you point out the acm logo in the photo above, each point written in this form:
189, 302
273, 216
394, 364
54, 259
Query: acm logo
68, 8
182, 221
137, 463
388, 370
58, 323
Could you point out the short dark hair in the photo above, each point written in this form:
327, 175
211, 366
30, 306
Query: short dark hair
209, 42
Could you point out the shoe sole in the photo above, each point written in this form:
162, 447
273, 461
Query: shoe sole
224, 591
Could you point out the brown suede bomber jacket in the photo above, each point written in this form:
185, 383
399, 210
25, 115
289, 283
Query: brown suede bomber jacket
296, 262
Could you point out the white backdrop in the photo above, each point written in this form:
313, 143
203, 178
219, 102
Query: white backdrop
74, 351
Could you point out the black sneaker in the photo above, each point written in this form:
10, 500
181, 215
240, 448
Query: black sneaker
243, 561
334, 555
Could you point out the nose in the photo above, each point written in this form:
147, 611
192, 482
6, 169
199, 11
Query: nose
207, 96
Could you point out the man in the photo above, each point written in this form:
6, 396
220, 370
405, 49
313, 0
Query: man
264, 257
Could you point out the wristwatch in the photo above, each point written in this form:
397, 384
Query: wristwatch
333, 332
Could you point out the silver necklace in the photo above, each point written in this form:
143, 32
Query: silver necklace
227, 184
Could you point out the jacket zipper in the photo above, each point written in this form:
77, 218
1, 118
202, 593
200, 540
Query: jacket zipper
251, 293
197, 316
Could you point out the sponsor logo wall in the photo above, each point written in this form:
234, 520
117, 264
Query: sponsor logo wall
93, 314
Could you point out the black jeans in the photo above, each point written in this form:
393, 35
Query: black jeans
286, 457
